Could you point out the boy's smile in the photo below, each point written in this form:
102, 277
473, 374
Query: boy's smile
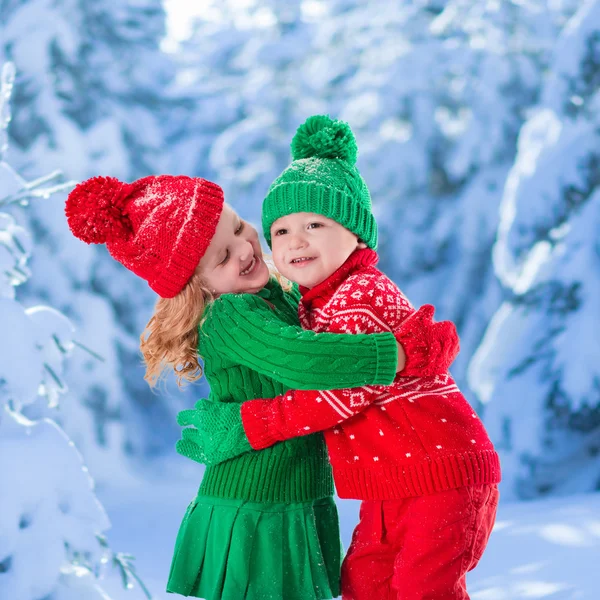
308, 247
302, 261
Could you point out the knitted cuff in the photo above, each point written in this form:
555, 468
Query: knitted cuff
387, 358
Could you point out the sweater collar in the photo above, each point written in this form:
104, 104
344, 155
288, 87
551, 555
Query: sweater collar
267, 291
322, 293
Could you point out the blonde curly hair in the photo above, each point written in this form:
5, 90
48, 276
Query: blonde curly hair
170, 338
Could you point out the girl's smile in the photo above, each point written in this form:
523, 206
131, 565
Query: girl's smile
233, 263
250, 268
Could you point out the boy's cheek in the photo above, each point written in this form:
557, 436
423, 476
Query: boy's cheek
276, 251
278, 260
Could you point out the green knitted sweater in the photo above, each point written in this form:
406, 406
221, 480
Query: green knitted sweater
254, 347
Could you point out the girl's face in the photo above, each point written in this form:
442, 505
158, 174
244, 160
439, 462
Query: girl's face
233, 262
308, 248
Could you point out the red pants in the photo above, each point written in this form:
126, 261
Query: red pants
419, 548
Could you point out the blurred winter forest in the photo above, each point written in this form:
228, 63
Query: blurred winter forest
478, 125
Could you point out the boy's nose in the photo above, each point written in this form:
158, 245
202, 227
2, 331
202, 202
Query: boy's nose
297, 242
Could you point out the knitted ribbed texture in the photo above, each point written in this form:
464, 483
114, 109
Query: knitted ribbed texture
158, 227
431, 476
253, 351
289, 198
323, 179
284, 473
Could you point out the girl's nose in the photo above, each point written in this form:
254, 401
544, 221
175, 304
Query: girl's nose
246, 250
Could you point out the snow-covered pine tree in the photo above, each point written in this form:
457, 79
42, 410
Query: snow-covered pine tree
537, 368
91, 97
51, 523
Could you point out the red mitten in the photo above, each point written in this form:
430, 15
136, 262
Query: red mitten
430, 347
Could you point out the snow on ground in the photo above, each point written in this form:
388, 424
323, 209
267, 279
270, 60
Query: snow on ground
547, 549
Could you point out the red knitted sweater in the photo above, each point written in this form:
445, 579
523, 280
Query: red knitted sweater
414, 437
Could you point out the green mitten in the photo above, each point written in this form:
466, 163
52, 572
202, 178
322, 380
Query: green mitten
218, 435
221, 430
190, 446
191, 416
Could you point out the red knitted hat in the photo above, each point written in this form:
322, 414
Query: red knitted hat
159, 227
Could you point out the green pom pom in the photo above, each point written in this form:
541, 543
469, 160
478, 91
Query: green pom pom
320, 136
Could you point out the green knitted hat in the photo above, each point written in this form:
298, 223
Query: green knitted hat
323, 179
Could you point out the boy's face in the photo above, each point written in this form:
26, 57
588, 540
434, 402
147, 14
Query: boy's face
308, 248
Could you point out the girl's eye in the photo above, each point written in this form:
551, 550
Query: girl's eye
281, 232
314, 225
240, 228
226, 258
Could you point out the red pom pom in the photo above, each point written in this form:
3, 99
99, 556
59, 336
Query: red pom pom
94, 210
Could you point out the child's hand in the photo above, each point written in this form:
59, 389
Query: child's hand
191, 416
190, 446
217, 434
401, 358
430, 347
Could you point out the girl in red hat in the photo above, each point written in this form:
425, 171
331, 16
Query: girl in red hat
263, 525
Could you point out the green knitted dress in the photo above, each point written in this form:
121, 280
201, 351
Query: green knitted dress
264, 525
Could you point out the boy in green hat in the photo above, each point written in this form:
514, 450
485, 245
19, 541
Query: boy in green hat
414, 452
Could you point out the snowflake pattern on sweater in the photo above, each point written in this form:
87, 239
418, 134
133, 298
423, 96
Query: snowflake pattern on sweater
416, 436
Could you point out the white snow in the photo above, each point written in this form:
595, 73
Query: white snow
546, 549
51, 512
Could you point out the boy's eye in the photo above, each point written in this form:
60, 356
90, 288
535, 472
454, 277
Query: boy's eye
314, 225
240, 228
226, 258
281, 232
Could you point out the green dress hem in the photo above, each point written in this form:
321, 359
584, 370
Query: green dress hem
229, 549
